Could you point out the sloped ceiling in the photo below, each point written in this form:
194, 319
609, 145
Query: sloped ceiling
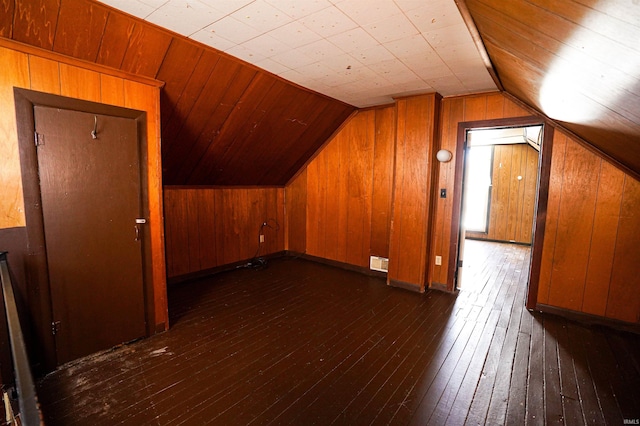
576, 61
225, 122
362, 52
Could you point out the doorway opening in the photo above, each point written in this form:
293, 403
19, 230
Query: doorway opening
505, 169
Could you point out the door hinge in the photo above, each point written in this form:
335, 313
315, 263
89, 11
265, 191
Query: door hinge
39, 138
55, 327
459, 263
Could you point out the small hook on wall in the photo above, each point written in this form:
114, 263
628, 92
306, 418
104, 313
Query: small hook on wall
94, 132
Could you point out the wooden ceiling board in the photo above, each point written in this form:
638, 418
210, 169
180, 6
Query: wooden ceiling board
6, 18
257, 143
304, 152
576, 61
306, 110
547, 51
325, 119
172, 123
207, 115
223, 121
34, 22
115, 39
233, 139
146, 50
616, 140
79, 30
230, 95
176, 70
232, 129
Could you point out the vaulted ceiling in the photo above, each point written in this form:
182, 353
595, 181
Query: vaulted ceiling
224, 122
228, 122
577, 61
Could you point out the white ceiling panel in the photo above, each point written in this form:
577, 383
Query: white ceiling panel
373, 12
184, 16
135, 7
363, 52
226, 7
246, 54
392, 28
266, 45
328, 22
294, 34
297, 9
355, 40
261, 16
233, 30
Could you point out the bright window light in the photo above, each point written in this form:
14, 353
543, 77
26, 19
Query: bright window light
478, 187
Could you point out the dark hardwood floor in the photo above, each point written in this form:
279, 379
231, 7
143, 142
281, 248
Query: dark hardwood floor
304, 343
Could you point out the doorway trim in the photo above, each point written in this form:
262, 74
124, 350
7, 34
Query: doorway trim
542, 195
43, 356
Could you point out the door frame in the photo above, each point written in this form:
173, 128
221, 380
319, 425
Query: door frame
39, 302
542, 195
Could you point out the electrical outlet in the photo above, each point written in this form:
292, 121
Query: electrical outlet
438, 260
261, 238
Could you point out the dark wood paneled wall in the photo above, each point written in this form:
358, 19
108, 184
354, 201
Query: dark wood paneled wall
511, 208
590, 254
417, 130
454, 111
207, 227
224, 122
343, 196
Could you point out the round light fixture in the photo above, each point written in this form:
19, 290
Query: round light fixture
443, 155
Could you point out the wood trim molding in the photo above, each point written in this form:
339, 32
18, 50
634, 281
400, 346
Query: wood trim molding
477, 39
406, 286
588, 319
178, 187
64, 59
341, 265
441, 287
540, 218
542, 192
218, 269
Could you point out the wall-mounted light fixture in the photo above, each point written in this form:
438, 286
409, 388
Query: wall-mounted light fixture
444, 155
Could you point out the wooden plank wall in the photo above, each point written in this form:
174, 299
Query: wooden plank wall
34, 69
512, 201
590, 255
210, 227
345, 193
413, 192
454, 111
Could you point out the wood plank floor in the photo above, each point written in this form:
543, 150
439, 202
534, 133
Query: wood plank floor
304, 343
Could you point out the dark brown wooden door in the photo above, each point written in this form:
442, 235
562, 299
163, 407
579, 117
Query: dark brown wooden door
90, 200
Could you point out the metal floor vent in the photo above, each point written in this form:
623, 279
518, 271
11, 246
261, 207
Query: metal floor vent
377, 263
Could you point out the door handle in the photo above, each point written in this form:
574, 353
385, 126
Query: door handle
139, 221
